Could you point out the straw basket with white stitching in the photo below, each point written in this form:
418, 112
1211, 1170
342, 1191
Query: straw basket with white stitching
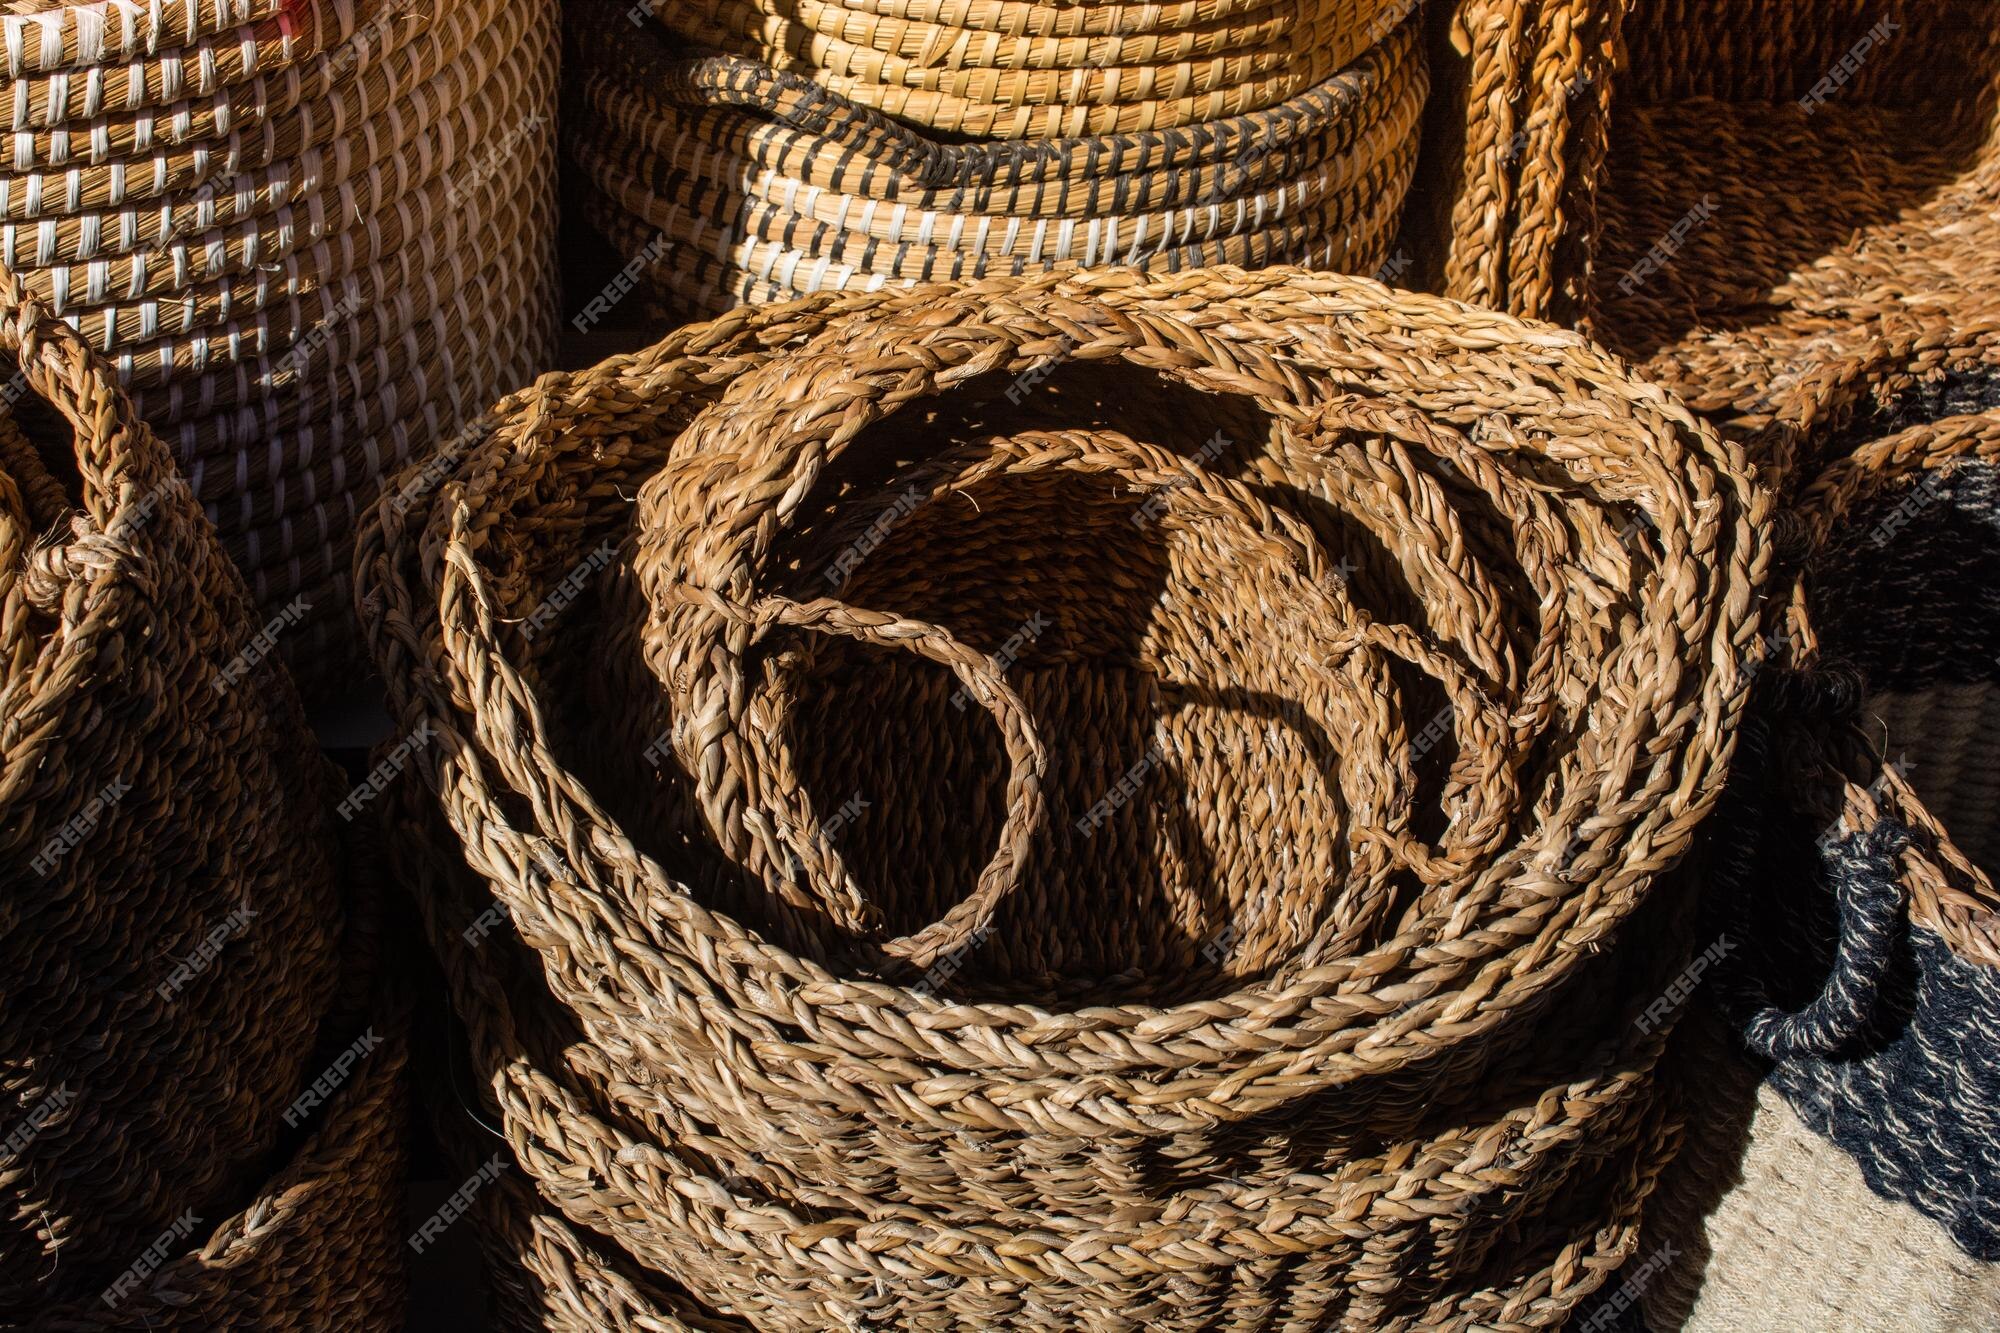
1033, 71
170, 909
730, 181
312, 238
868, 1001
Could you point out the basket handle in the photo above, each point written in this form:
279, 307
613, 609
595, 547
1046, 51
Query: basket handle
113, 446
1026, 757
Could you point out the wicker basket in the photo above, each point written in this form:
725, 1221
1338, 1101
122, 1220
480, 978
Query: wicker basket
313, 240
170, 864
1793, 227
1420, 1134
1009, 71
1858, 258
318, 1246
730, 182
1858, 1185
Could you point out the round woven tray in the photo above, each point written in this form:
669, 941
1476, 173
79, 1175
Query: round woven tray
962, 1172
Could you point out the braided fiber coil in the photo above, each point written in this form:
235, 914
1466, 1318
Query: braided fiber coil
1279, 1080
170, 899
974, 79
314, 242
731, 182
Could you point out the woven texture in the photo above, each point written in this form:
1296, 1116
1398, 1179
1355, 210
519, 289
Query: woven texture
1776, 1228
319, 1245
1784, 212
1364, 1053
164, 811
313, 239
1867, 987
729, 182
1016, 70
1536, 98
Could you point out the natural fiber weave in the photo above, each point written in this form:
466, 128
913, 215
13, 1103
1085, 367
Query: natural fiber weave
731, 182
972, 77
1536, 92
315, 241
319, 1246
1770, 1226
164, 811
1281, 1078
1867, 980
1794, 223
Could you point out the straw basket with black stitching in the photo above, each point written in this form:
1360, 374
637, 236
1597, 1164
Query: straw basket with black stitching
311, 238
728, 181
1225, 952
1844, 1085
171, 910
1034, 71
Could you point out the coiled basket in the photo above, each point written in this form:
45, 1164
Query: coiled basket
722, 180
1104, 800
311, 238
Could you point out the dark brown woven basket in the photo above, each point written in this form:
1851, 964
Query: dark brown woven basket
169, 900
318, 1245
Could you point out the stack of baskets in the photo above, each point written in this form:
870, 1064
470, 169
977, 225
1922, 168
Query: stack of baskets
174, 927
312, 237
1243, 913
909, 143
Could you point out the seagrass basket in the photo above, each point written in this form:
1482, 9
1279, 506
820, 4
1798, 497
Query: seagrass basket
727, 181
1846, 159
1783, 212
170, 907
917, 1025
1017, 70
311, 239
317, 1245
1845, 1171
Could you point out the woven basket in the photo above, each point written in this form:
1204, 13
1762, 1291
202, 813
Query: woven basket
731, 182
1424, 1131
320, 1245
1858, 1185
169, 857
314, 240
1784, 212
1857, 259
999, 72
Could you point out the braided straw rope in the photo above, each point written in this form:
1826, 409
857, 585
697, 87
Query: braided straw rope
733, 182
972, 78
1403, 1092
162, 801
314, 238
